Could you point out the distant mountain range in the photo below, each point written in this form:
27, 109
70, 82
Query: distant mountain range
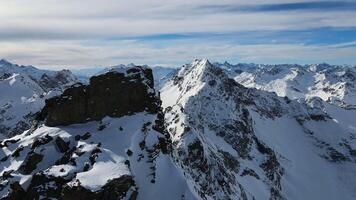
23, 92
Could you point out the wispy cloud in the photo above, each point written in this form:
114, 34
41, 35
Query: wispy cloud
91, 32
274, 7
73, 54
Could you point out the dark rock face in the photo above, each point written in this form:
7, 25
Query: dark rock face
30, 163
62, 146
113, 94
56, 188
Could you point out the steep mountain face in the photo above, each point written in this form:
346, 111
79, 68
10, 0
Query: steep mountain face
124, 154
23, 93
233, 142
332, 83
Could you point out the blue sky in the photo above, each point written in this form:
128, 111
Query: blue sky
86, 33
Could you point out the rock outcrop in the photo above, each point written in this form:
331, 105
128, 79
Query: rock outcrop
114, 94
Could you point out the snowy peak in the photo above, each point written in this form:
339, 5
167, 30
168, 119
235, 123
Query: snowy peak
47, 79
224, 133
189, 80
4, 62
198, 69
212, 133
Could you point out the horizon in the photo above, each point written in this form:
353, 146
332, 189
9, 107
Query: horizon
56, 34
77, 69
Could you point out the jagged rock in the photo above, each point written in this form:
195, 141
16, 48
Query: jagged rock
16, 153
41, 141
113, 190
61, 144
86, 136
113, 94
55, 187
30, 163
7, 174
45, 186
17, 193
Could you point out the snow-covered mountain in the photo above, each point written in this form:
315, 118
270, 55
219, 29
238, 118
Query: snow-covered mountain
332, 83
23, 92
203, 136
233, 142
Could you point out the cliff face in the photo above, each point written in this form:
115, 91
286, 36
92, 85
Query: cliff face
113, 94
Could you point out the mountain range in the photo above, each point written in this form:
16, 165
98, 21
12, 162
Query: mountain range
203, 131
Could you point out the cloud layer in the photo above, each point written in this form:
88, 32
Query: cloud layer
56, 33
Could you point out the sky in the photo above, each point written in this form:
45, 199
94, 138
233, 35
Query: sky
76, 34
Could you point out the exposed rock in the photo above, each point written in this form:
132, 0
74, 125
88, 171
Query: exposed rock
113, 190
30, 163
7, 174
113, 94
16, 153
41, 141
86, 136
61, 144
57, 188
17, 193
